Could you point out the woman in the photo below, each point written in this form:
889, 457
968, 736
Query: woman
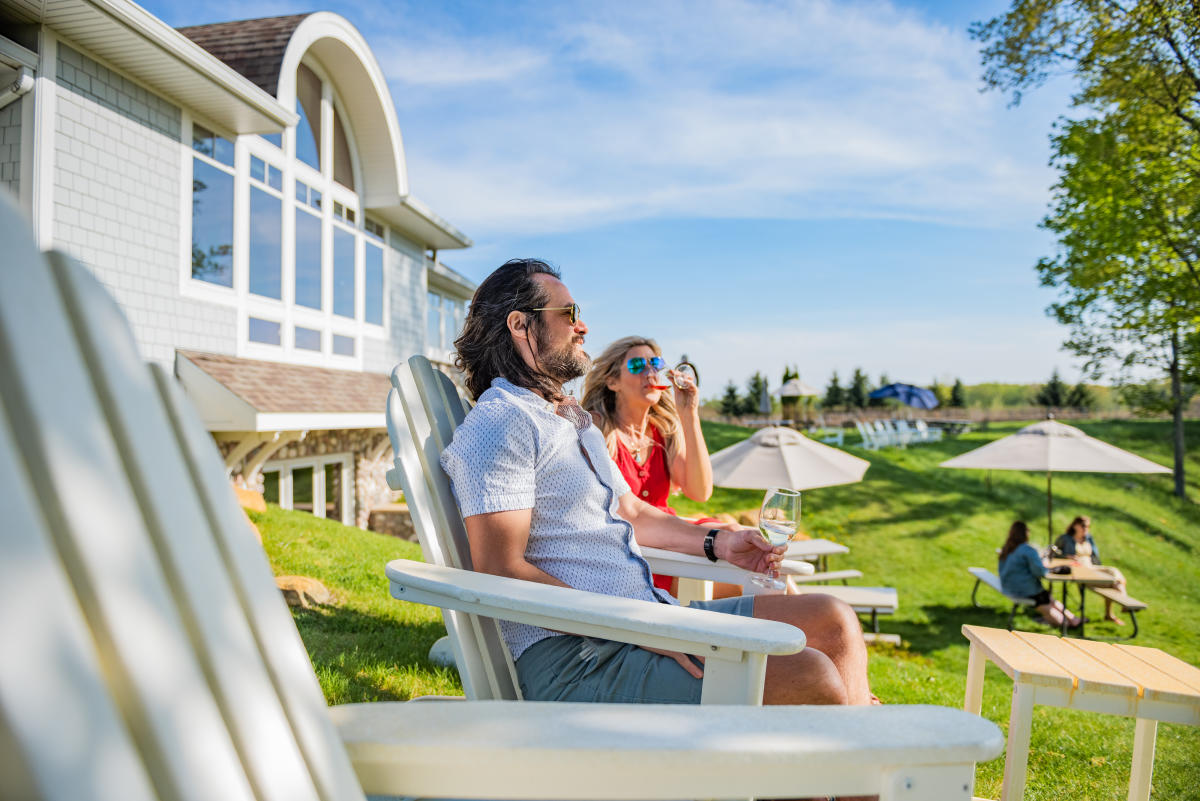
1077, 544
653, 434
1021, 570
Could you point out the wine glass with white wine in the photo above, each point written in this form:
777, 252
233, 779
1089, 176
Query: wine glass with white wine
778, 521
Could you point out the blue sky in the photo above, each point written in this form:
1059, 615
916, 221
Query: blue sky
752, 183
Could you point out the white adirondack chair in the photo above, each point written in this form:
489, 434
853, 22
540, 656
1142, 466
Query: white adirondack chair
424, 408
927, 433
149, 655
870, 439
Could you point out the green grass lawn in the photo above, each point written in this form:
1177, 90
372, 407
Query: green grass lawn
910, 525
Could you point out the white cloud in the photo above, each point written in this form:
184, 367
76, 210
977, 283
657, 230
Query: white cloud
727, 108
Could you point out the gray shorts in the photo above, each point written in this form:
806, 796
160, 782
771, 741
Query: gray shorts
568, 667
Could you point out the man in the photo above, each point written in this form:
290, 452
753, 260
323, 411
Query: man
542, 501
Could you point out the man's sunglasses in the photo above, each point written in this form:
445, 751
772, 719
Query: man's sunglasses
638, 363
572, 311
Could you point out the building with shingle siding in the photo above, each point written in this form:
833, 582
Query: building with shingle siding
241, 189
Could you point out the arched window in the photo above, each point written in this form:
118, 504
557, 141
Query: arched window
278, 232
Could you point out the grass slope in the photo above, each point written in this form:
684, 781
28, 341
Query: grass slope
910, 525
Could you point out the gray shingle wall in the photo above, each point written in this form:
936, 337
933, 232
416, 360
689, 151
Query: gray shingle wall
117, 203
10, 146
406, 306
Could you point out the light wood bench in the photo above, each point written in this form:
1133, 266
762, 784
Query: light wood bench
984, 576
1128, 680
874, 601
1128, 603
828, 575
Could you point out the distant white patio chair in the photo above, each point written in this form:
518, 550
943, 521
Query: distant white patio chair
927, 433
149, 654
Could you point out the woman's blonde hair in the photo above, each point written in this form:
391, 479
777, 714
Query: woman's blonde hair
602, 401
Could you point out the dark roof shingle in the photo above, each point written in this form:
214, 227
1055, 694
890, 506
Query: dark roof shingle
253, 47
276, 387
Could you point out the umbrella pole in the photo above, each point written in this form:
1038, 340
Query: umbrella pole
1049, 511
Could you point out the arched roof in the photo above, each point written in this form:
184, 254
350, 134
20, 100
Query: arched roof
268, 51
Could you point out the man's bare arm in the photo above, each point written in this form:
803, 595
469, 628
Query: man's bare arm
498, 541
654, 528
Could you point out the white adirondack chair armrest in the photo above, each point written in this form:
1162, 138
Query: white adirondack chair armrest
692, 631
631, 751
672, 563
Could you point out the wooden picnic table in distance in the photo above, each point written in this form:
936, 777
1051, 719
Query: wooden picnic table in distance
814, 550
1115, 679
1083, 576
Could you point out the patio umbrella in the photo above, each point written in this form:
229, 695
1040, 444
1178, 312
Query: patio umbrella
918, 397
795, 389
1055, 448
781, 457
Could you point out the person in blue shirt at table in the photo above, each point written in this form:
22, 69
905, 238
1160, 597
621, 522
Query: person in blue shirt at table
1021, 571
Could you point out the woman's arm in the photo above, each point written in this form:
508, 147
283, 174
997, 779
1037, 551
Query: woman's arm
1036, 566
691, 469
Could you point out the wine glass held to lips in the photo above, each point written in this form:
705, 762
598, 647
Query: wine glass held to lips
778, 522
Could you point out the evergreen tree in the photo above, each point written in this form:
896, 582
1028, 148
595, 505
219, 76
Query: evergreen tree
755, 388
958, 394
876, 403
1053, 394
856, 393
835, 395
1081, 397
790, 406
731, 402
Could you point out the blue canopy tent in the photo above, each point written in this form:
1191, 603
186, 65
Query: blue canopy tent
918, 397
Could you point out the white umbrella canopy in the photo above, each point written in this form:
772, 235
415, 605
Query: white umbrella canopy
781, 457
795, 388
1053, 447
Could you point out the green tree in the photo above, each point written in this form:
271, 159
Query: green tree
731, 401
790, 406
856, 393
1127, 205
941, 392
755, 387
1052, 394
876, 403
958, 394
1081, 397
835, 395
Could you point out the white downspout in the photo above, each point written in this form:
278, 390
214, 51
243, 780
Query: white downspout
21, 84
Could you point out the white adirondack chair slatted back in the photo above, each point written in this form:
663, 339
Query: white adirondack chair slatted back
424, 408
135, 536
54, 705
407, 475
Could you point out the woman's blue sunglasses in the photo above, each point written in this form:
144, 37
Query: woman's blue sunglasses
638, 363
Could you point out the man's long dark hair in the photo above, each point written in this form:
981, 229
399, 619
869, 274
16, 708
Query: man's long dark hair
486, 348
1017, 534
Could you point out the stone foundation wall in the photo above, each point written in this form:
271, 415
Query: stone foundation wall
368, 470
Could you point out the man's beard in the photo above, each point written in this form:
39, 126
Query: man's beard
562, 364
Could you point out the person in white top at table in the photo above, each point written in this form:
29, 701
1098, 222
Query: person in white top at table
1077, 544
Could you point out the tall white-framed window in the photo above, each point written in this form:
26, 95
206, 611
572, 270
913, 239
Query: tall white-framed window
321, 486
444, 316
278, 231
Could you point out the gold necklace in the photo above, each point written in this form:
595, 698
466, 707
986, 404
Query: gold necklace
636, 449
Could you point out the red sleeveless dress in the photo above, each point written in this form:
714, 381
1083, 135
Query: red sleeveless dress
652, 483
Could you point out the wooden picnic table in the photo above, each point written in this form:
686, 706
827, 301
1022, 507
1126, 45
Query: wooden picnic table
1083, 576
814, 550
1115, 679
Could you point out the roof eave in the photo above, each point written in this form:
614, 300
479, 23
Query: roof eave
420, 223
129, 37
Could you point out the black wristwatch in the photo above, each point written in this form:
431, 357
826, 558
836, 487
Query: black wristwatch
710, 540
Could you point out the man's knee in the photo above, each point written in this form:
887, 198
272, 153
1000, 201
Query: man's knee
812, 610
809, 677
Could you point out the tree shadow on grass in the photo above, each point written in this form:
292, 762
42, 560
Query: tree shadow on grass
943, 626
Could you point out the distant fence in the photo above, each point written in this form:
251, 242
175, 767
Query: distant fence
974, 415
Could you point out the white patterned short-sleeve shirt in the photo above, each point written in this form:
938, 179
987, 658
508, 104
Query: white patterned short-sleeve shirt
514, 452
